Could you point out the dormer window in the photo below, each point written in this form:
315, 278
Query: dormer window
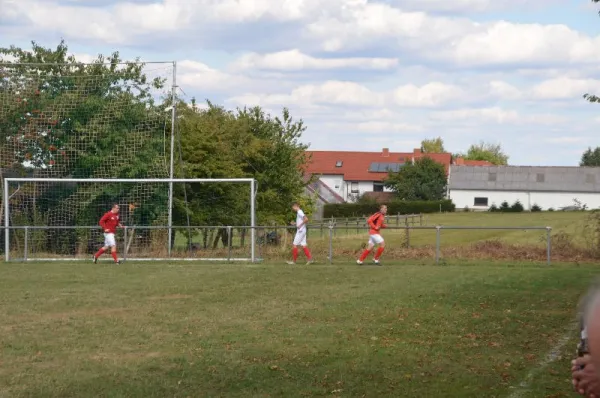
339, 163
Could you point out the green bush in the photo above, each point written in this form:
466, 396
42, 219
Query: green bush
493, 208
346, 210
536, 208
504, 207
517, 207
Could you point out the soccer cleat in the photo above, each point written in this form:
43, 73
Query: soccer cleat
290, 263
359, 262
118, 262
309, 262
95, 260
376, 262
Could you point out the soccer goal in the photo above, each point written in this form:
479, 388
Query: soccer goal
50, 219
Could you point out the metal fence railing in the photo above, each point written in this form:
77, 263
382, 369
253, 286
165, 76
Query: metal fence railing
233, 243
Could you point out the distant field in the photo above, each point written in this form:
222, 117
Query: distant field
179, 330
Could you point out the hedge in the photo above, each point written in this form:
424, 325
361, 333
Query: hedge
346, 210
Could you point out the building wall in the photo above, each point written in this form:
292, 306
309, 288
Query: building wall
344, 188
546, 200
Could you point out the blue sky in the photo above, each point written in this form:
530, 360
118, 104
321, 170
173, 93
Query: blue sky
362, 74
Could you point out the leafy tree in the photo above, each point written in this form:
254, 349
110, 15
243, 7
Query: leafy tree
63, 118
219, 143
434, 145
591, 158
423, 180
492, 153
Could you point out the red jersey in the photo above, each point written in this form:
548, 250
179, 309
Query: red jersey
376, 223
110, 221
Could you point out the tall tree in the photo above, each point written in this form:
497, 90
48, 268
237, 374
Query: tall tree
63, 118
433, 145
591, 158
216, 142
492, 153
423, 180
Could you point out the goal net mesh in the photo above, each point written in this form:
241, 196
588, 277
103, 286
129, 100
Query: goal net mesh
101, 121
62, 219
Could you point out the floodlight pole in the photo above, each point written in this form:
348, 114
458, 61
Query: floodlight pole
172, 157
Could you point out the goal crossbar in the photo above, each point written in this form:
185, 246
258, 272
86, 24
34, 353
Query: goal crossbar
250, 181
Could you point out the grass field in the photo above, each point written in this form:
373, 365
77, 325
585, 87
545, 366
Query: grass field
269, 330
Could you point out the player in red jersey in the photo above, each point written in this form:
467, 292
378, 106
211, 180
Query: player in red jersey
375, 225
109, 223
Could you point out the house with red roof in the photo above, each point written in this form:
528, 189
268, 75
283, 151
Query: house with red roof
344, 176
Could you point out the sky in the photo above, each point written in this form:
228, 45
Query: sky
361, 74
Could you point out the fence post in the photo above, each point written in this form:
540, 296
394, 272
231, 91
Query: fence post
407, 234
331, 230
437, 244
229, 230
421, 219
548, 244
26, 249
124, 243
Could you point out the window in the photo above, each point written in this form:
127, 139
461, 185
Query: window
339, 163
492, 177
377, 187
540, 177
354, 187
480, 202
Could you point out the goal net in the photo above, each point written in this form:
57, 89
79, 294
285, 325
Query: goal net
57, 219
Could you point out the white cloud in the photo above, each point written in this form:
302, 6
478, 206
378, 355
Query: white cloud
504, 90
196, 75
292, 60
430, 95
565, 88
497, 115
347, 93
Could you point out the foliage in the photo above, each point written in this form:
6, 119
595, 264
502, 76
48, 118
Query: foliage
423, 180
517, 207
397, 207
218, 143
433, 145
591, 233
590, 158
505, 207
536, 208
63, 118
365, 199
492, 153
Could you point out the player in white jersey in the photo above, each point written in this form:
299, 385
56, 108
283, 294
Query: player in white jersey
300, 238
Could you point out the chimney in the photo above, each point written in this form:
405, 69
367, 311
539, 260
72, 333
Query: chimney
386, 152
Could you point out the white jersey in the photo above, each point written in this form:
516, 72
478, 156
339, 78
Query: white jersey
300, 220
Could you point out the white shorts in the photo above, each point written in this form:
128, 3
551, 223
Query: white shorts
300, 238
375, 239
109, 240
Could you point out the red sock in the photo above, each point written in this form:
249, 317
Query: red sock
295, 253
307, 252
114, 255
379, 252
365, 254
99, 253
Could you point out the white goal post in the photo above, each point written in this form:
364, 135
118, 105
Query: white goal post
29, 217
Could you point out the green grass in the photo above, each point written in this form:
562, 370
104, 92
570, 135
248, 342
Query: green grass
179, 330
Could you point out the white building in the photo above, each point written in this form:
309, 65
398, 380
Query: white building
479, 187
349, 175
